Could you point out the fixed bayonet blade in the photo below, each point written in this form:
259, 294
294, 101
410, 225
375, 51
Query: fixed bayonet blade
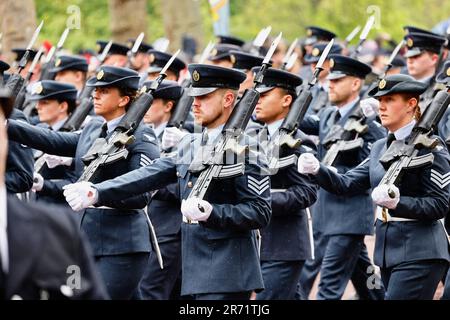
288, 54
272, 48
105, 51
324, 54
352, 34
36, 60
35, 35
291, 61
206, 52
262, 36
395, 52
62, 39
137, 43
50, 54
367, 28
163, 71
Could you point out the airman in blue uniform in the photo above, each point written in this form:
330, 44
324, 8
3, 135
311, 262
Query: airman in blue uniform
219, 248
285, 243
340, 237
118, 230
411, 246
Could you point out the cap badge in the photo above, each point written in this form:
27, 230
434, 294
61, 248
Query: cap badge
58, 62
100, 74
232, 58
151, 58
315, 52
410, 42
382, 84
448, 72
309, 32
195, 76
331, 63
38, 88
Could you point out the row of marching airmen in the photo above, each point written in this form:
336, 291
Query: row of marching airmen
139, 174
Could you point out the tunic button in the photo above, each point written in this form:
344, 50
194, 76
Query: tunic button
190, 184
178, 173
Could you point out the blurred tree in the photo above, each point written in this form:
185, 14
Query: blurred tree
128, 18
182, 17
17, 24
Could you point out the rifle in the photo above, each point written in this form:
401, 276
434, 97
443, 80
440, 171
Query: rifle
184, 104
104, 152
20, 99
50, 59
403, 155
288, 128
16, 81
131, 54
363, 36
233, 129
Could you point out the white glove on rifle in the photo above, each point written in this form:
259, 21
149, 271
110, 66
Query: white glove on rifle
196, 209
171, 137
54, 161
381, 197
370, 107
38, 182
308, 164
80, 195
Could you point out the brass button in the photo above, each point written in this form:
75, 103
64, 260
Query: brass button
190, 184
178, 173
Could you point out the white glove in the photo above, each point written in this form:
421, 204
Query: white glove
308, 164
38, 182
370, 107
171, 137
80, 195
196, 209
381, 197
54, 161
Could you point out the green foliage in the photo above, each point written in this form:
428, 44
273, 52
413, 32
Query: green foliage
249, 16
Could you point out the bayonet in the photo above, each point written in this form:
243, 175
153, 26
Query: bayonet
351, 35
363, 35
288, 54
105, 51
24, 60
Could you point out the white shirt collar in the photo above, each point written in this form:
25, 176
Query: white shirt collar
347, 107
274, 126
58, 125
112, 124
213, 133
405, 131
3, 230
159, 129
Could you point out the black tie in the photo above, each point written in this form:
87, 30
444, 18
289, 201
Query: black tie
337, 116
104, 131
390, 138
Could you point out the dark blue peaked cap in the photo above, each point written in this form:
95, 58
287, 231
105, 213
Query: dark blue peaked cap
341, 66
275, 78
169, 90
53, 90
418, 42
116, 48
109, 76
444, 75
317, 51
398, 83
66, 62
208, 78
245, 61
159, 59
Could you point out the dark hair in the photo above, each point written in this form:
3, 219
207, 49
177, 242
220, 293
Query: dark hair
292, 93
174, 102
71, 104
132, 93
417, 112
